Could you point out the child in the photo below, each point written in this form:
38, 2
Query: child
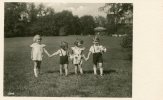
63, 53
97, 50
77, 55
37, 53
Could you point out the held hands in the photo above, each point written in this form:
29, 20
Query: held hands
87, 59
50, 56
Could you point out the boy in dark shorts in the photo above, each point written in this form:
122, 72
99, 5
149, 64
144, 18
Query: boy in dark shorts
63, 53
97, 50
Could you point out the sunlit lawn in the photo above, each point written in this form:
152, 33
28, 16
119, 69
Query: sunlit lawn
19, 78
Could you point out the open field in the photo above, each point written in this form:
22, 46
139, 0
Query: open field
19, 78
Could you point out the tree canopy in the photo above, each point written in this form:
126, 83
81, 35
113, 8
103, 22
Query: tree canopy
27, 19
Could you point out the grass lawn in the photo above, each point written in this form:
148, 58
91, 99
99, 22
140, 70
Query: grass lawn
19, 78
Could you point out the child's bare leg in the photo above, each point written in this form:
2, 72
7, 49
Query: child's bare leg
60, 69
76, 69
35, 69
101, 68
66, 69
95, 69
80, 69
38, 66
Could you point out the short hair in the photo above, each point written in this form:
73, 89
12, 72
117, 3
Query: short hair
78, 41
64, 45
96, 39
36, 37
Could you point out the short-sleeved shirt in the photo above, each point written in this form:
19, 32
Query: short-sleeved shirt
37, 51
97, 49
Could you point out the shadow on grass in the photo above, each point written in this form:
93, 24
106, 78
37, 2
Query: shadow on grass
105, 71
85, 72
51, 71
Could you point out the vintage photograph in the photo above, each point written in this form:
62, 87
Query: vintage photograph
68, 49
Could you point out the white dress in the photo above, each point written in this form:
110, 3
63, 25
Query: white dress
77, 55
37, 51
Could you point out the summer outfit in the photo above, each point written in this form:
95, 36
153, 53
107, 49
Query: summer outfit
63, 56
37, 52
97, 53
77, 55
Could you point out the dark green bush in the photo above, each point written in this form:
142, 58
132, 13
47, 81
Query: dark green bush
127, 41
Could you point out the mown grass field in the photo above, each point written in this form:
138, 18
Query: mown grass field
19, 78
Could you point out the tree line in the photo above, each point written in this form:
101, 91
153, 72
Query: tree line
27, 19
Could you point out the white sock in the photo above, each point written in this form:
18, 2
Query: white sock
35, 72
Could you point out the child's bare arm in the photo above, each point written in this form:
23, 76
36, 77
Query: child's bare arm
55, 53
46, 52
32, 53
85, 58
88, 55
104, 49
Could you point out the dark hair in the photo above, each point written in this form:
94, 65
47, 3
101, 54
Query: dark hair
96, 39
78, 41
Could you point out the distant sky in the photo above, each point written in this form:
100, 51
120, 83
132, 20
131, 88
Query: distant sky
79, 9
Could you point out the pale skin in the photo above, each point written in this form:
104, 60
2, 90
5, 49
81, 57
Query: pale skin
100, 65
37, 64
79, 66
61, 66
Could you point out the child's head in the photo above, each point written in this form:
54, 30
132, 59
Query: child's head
96, 40
64, 45
37, 39
78, 42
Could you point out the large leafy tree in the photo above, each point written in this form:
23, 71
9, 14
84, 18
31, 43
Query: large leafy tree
117, 13
27, 19
87, 24
15, 19
100, 21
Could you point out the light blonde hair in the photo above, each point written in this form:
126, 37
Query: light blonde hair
36, 37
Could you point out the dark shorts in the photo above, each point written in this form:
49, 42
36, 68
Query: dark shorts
97, 58
63, 60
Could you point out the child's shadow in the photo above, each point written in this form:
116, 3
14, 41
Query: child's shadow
85, 72
105, 71
110, 71
51, 71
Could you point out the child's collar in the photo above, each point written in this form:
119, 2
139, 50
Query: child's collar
63, 49
38, 43
96, 45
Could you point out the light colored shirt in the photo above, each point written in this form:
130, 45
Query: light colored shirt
97, 49
61, 52
37, 51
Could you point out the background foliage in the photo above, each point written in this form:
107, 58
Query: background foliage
27, 19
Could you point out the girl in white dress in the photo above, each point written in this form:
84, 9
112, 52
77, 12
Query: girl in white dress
77, 55
64, 54
37, 53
